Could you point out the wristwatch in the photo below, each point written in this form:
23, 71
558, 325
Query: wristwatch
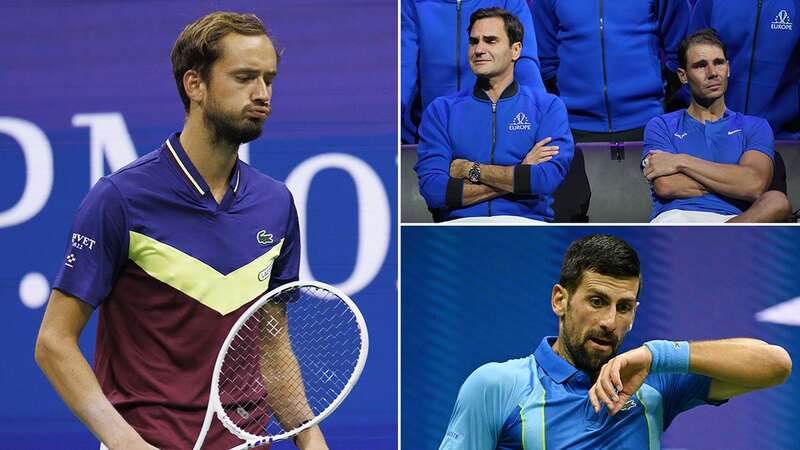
474, 174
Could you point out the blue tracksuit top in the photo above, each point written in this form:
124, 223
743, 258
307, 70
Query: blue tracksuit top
434, 45
542, 402
763, 43
469, 126
723, 141
606, 56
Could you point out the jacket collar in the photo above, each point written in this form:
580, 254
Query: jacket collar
510, 91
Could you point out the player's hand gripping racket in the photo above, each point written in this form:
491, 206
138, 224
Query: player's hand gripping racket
287, 363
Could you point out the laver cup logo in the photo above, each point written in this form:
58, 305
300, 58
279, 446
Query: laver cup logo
782, 21
520, 122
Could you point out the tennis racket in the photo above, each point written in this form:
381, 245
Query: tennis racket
286, 364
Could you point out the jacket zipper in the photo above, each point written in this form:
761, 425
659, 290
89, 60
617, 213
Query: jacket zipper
494, 140
752, 57
458, 45
605, 80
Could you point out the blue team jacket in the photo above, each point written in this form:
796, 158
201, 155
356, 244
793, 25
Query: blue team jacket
606, 57
434, 43
763, 43
469, 126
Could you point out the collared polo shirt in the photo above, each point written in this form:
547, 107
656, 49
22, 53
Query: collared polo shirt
542, 402
723, 141
171, 270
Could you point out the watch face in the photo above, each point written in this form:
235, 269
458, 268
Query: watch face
474, 173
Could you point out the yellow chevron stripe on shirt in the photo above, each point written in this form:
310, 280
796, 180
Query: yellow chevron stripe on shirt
222, 293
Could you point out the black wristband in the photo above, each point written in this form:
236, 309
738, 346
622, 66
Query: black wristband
454, 194
522, 179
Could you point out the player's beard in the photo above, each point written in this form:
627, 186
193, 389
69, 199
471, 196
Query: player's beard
234, 129
575, 345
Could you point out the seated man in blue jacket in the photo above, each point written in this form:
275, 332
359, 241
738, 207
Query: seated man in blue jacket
708, 163
765, 57
484, 151
433, 49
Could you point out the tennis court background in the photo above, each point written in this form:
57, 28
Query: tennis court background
94, 78
471, 295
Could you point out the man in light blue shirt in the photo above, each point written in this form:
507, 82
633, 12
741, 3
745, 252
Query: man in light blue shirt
575, 392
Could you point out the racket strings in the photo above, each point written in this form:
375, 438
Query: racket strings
289, 361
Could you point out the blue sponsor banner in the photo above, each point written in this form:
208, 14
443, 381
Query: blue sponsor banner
87, 86
471, 295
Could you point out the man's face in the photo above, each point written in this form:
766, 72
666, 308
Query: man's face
706, 71
240, 88
596, 318
490, 53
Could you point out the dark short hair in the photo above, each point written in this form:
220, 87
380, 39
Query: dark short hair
197, 47
513, 26
599, 253
707, 36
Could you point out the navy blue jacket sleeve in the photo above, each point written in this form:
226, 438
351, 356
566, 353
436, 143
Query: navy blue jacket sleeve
527, 71
434, 155
546, 177
409, 59
546, 27
673, 23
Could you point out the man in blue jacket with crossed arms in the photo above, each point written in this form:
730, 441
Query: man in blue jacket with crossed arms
574, 392
496, 148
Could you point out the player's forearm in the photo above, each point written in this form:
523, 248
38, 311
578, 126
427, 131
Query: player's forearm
677, 185
499, 177
741, 361
476, 193
69, 373
732, 180
282, 376
311, 439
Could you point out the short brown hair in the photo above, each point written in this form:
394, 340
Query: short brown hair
514, 28
197, 47
706, 36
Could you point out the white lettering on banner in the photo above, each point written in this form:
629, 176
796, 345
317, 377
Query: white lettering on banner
373, 215
111, 141
38, 168
108, 136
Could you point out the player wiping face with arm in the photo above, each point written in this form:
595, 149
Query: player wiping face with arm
563, 395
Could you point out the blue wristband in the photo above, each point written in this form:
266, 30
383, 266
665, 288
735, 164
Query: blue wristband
669, 356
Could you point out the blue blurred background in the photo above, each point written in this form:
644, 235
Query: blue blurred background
86, 86
471, 295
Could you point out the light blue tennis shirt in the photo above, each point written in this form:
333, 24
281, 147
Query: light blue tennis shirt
542, 402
